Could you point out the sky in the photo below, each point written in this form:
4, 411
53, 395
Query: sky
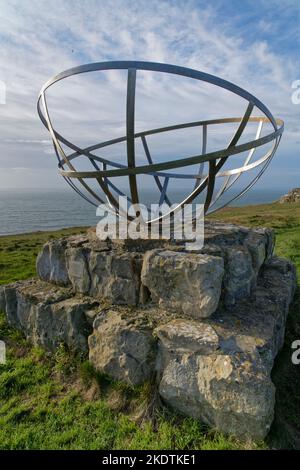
255, 45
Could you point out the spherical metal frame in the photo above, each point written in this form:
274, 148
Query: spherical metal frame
159, 171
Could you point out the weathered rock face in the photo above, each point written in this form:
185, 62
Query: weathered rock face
219, 369
115, 277
244, 251
51, 263
102, 273
184, 282
78, 271
49, 315
227, 392
122, 346
240, 278
207, 323
111, 270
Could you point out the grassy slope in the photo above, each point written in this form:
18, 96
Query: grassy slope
58, 402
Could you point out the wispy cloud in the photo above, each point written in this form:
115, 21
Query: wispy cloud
40, 38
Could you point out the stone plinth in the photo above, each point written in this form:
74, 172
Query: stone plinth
117, 271
207, 324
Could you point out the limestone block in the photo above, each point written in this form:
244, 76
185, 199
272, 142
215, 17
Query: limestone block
228, 392
239, 278
115, 276
51, 263
219, 369
122, 348
77, 267
185, 282
49, 315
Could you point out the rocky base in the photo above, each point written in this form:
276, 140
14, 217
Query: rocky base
129, 272
207, 325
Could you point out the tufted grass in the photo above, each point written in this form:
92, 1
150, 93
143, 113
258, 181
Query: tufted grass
57, 401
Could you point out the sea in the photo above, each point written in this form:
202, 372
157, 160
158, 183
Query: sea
32, 210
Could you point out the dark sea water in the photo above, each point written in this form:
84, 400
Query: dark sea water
24, 211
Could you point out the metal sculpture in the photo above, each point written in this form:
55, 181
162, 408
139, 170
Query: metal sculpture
109, 169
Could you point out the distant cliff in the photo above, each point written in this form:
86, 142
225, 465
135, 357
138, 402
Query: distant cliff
292, 196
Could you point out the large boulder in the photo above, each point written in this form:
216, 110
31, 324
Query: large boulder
78, 270
244, 252
51, 263
219, 369
91, 268
185, 282
230, 393
115, 276
239, 279
49, 315
122, 346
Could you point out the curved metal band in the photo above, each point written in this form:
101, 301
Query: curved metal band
144, 169
214, 159
88, 150
166, 68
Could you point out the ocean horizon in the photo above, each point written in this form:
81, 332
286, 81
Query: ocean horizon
33, 210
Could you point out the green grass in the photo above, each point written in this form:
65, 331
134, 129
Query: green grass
275, 215
18, 253
58, 402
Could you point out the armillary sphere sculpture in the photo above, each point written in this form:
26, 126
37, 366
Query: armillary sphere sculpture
103, 170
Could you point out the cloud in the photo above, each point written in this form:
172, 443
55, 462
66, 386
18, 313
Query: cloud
18, 168
28, 141
39, 39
